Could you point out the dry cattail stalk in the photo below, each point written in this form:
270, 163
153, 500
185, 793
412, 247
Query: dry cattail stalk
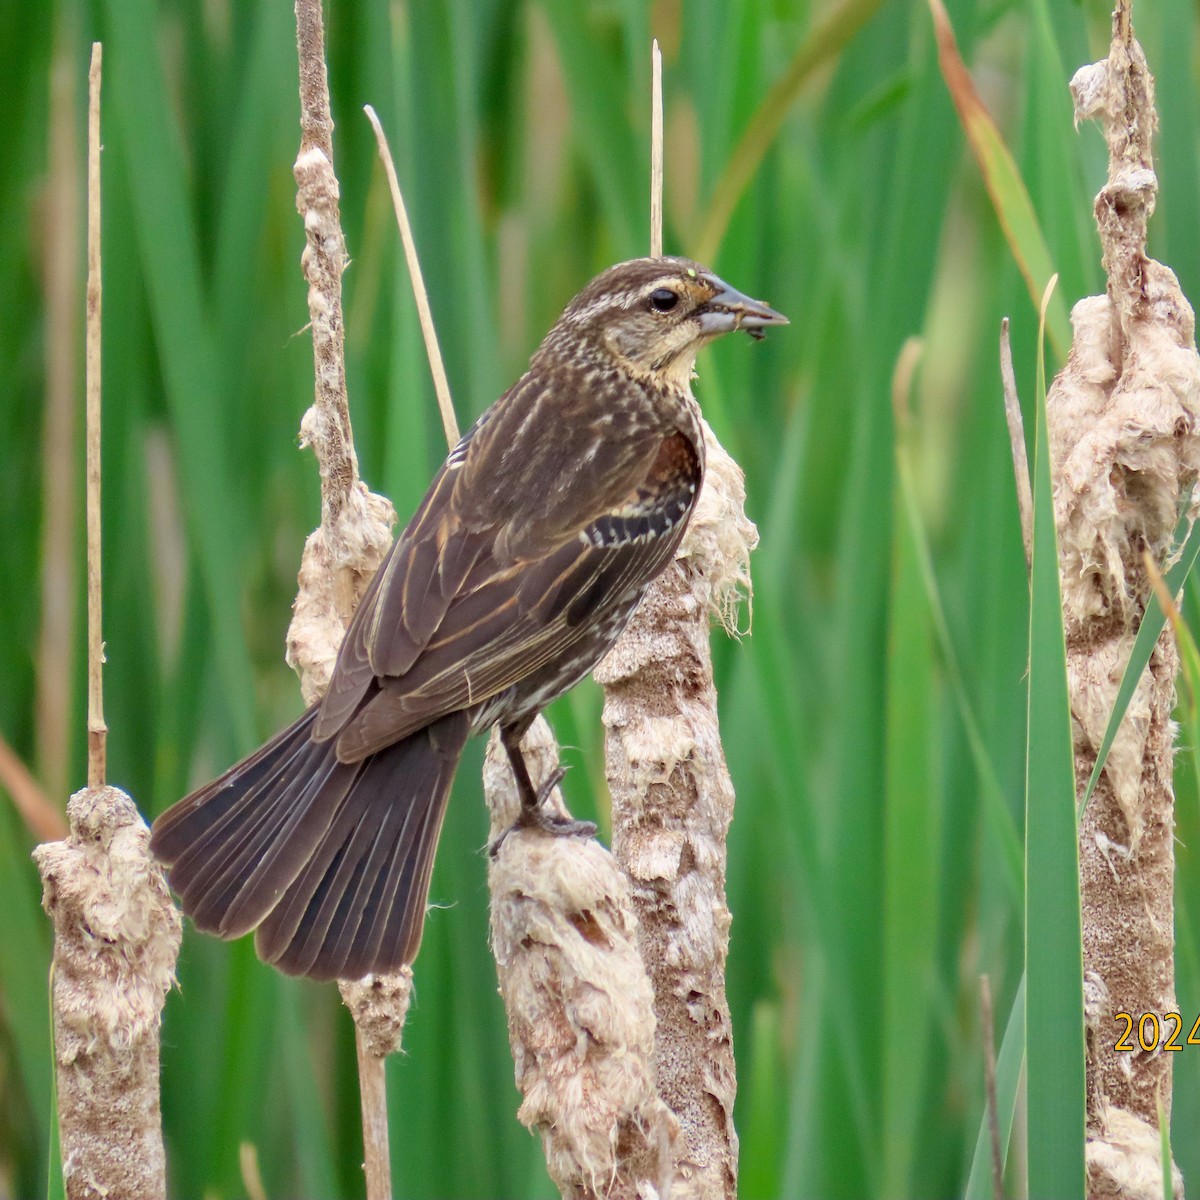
672, 804
656, 151
116, 932
116, 938
579, 1003
1122, 420
612, 972
341, 556
379, 1005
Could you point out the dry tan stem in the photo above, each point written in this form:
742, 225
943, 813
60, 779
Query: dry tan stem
672, 804
56, 637
1016, 437
441, 385
342, 555
656, 151
580, 1007
1123, 431
116, 937
96, 729
379, 1004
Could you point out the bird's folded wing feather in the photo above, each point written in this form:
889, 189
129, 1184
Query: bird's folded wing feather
519, 541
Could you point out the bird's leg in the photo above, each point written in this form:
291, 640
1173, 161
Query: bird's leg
534, 813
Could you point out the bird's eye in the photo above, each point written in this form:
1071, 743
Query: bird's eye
663, 299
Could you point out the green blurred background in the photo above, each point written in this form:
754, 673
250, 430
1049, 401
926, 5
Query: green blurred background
875, 862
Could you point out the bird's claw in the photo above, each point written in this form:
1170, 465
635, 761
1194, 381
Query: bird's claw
544, 792
541, 817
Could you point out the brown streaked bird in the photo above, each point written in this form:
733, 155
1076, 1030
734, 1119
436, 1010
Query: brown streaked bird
520, 568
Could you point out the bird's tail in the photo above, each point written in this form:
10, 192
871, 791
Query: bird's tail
330, 861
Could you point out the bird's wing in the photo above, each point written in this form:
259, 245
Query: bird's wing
521, 538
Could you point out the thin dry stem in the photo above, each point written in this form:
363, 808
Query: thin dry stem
656, 151
1016, 437
441, 385
379, 1004
372, 1091
97, 730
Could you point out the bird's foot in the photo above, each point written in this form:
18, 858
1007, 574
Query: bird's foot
540, 816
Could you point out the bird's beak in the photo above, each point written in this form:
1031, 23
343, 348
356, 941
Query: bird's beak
729, 310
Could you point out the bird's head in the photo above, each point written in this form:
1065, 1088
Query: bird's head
654, 314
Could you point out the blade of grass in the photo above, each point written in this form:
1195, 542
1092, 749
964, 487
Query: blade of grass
1010, 197
1053, 922
597, 96
822, 44
167, 244
308, 1127
996, 811
1061, 166
1164, 1149
1009, 1066
1152, 624
766, 1108
912, 821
